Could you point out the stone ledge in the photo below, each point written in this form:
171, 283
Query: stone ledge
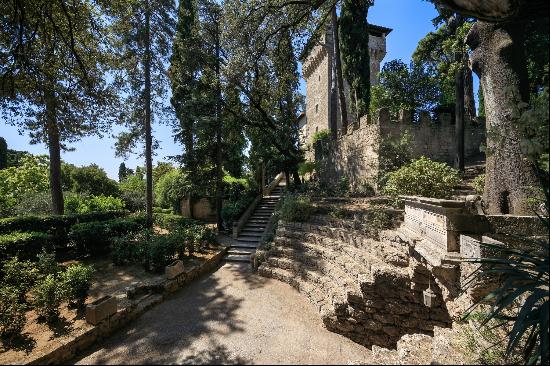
63, 352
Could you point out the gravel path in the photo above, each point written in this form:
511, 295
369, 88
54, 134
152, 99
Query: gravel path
229, 316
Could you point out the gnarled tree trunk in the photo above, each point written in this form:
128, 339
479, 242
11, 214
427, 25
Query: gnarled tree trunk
498, 59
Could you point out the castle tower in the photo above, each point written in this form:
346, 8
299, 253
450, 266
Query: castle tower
322, 105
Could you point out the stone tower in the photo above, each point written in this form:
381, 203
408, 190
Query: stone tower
317, 70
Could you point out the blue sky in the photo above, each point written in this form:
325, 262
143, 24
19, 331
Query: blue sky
409, 19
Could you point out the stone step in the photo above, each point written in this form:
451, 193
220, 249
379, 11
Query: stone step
314, 295
257, 222
244, 245
237, 258
253, 228
331, 276
248, 240
241, 251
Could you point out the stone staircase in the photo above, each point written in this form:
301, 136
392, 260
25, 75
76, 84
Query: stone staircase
471, 171
251, 234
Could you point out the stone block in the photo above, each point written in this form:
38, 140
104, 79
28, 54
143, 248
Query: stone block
174, 269
101, 309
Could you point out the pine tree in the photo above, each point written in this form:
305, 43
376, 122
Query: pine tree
145, 29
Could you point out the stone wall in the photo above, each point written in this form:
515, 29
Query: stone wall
357, 154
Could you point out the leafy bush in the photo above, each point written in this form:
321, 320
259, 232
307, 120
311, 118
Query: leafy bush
24, 245
306, 167
479, 183
48, 295
124, 249
19, 275
94, 238
171, 188
36, 203
232, 211
172, 222
82, 204
295, 208
52, 224
393, 153
321, 136
12, 313
76, 282
236, 189
133, 192
47, 264
158, 251
423, 177
160, 210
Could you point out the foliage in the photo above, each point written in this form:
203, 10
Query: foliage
23, 245
393, 153
20, 276
232, 211
479, 183
354, 41
295, 208
520, 303
158, 252
404, 87
15, 183
377, 219
47, 296
37, 203
321, 136
47, 264
94, 238
12, 313
172, 222
83, 204
124, 249
133, 192
171, 188
307, 167
423, 177
88, 180
75, 281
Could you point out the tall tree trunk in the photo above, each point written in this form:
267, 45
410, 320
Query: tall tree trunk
459, 118
339, 74
469, 100
148, 135
219, 129
54, 148
498, 59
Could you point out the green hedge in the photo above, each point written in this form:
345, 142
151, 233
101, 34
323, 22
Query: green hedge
95, 238
52, 224
172, 222
24, 245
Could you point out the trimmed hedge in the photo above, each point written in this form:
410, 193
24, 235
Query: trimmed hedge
172, 222
95, 238
53, 224
26, 246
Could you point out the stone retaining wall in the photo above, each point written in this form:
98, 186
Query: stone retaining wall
136, 301
368, 291
357, 154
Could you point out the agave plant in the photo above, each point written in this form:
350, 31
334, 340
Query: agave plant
520, 304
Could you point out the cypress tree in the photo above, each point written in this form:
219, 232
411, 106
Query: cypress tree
354, 43
3, 153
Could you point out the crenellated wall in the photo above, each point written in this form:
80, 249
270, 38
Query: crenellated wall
356, 155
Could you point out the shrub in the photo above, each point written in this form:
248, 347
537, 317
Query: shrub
171, 188
94, 238
124, 249
160, 210
24, 245
38, 203
76, 282
172, 222
19, 275
47, 264
394, 153
423, 177
158, 251
295, 208
321, 136
236, 189
12, 313
231, 212
83, 204
306, 167
479, 183
48, 295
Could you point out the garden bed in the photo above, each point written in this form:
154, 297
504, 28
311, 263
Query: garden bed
42, 343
